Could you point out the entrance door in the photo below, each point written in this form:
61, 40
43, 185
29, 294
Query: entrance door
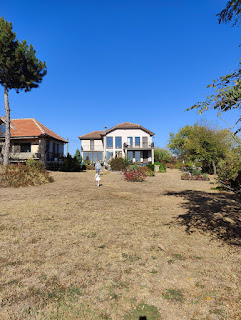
145, 156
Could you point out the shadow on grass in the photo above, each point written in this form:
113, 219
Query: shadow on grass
217, 213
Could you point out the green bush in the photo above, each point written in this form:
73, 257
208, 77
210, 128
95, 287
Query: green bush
70, 164
151, 166
22, 176
133, 167
162, 167
117, 164
37, 164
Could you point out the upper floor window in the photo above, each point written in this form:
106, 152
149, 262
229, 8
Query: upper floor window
137, 141
2, 130
92, 145
118, 142
109, 141
130, 141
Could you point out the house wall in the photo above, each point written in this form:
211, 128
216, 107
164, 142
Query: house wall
98, 145
125, 133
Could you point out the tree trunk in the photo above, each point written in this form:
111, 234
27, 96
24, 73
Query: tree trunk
214, 167
7, 133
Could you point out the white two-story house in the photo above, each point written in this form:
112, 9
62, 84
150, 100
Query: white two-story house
123, 140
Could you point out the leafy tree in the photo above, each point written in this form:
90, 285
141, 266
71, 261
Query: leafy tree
19, 70
201, 144
231, 12
226, 89
161, 154
78, 156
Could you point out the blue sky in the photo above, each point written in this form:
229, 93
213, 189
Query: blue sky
112, 61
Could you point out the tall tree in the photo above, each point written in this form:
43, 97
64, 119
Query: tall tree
19, 70
226, 89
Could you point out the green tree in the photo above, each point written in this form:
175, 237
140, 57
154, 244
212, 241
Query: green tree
226, 90
19, 70
161, 154
78, 156
201, 144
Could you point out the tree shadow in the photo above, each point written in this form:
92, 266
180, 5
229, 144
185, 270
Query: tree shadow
216, 213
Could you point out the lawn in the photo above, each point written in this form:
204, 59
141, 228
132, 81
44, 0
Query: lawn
161, 249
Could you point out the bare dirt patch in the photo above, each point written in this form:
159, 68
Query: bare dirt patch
164, 249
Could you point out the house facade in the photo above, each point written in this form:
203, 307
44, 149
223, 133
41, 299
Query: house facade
123, 140
31, 139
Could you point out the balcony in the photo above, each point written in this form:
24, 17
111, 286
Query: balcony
140, 146
23, 156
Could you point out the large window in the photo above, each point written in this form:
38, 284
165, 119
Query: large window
2, 130
92, 145
130, 155
109, 155
137, 141
22, 147
93, 156
109, 141
137, 156
118, 143
130, 141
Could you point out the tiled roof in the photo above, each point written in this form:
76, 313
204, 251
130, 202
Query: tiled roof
96, 135
31, 128
129, 125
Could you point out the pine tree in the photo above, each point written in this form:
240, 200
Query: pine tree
19, 70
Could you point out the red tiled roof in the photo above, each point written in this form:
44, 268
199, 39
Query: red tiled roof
31, 128
96, 135
129, 125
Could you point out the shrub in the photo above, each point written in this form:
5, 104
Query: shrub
37, 164
229, 172
189, 176
134, 176
133, 167
170, 165
146, 171
162, 167
117, 164
151, 166
22, 176
70, 164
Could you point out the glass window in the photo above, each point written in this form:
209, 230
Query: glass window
94, 156
92, 145
109, 155
2, 130
137, 156
119, 153
100, 156
130, 141
25, 147
130, 155
109, 141
118, 142
86, 156
137, 141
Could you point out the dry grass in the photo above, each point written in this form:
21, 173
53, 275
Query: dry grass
164, 249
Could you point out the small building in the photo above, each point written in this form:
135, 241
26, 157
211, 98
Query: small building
31, 139
125, 139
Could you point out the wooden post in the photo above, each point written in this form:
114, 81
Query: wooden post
67, 146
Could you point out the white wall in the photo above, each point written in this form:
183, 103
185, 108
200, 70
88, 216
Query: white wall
98, 145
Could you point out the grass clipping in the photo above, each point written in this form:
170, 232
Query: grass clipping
22, 176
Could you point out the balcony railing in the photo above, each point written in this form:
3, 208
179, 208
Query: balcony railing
141, 145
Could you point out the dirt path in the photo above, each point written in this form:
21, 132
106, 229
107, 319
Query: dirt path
164, 248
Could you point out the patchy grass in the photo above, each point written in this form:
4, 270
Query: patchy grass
162, 249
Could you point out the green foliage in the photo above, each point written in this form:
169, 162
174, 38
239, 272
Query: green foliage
133, 167
70, 164
199, 143
37, 164
143, 310
161, 154
117, 164
20, 69
77, 156
231, 12
162, 167
21, 176
151, 166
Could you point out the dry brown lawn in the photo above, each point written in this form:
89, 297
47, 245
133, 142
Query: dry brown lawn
161, 249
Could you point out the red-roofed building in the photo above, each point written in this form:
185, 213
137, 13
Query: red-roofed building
31, 139
124, 139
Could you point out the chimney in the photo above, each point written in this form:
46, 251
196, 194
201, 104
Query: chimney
105, 128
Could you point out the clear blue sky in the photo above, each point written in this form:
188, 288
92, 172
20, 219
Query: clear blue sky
111, 61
